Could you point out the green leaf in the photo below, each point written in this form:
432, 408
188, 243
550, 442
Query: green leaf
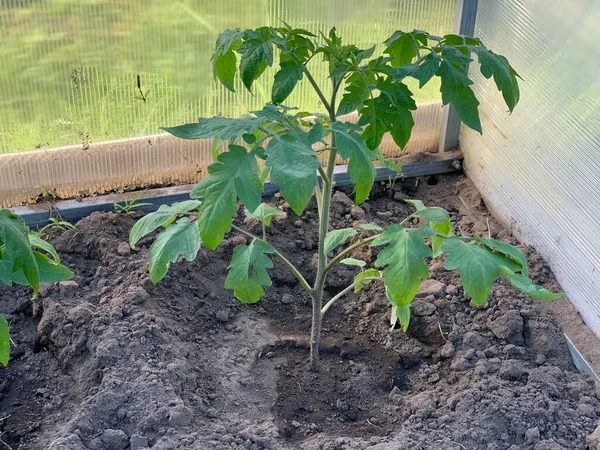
404, 263
248, 271
224, 68
49, 271
455, 89
505, 77
257, 54
478, 268
14, 234
528, 287
427, 69
234, 175
510, 251
360, 278
223, 127
264, 213
369, 227
399, 314
402, 126
285, 81
165, 215
358, 87
6, 269
353, 262
350, 145
439, 221
335, 238
293, 167
224, 60
402, 47
36, 241
180, 238
375, 115
4, 342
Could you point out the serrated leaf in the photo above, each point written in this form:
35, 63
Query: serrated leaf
294, 167
402, 126
36, 241
505, 77
180, 238
256, 56
427, 69
49, 271
350, 145
6, 269
224, 60
4, 342
402, 48
223, 127
510, 251
528, 287
353, 262
234, 175
478, 268
14, 235
165, 215
439, 221
335, 238
403, 259
264, 213
358, 87
247, 271
375, 114
455, 89
317, 132
362, 282
285, 81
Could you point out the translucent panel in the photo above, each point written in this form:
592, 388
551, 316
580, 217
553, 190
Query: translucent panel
70, 72
540, 167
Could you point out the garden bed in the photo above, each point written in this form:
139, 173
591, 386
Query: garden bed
110, 361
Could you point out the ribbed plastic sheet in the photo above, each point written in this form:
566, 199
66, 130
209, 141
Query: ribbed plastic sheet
69, 82
539, 168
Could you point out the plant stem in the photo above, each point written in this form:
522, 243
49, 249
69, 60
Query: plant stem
346, 290
347, 250
317, 316
318, 90
282, 258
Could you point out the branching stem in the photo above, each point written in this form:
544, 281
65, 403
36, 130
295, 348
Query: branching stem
346, 290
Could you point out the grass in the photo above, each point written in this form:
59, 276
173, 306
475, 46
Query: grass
70, 66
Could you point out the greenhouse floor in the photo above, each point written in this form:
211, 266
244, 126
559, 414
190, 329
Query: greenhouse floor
111, 361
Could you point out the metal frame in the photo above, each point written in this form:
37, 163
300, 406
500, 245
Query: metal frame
464, 23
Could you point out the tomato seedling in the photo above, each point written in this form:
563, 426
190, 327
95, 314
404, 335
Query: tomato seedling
26, 259
293, 145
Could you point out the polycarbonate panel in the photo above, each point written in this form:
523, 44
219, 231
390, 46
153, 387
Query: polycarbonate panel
539, 168
70, 69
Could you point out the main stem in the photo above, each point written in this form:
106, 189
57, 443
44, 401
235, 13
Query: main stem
317, 300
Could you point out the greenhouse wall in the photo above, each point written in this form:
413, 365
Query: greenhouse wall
87, 84
539, 168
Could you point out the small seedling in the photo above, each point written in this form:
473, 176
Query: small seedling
55, 224
25, 259
128, 206
290, 141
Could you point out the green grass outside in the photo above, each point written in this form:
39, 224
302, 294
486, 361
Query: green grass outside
69, 67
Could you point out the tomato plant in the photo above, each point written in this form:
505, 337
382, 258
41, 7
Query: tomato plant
293, 145
26, 259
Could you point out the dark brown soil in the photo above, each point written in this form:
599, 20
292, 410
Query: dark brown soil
110, 361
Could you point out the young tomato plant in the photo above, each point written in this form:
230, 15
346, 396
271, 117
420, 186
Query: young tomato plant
26, 259
291, 143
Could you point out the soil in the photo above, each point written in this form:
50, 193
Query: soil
110, 361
